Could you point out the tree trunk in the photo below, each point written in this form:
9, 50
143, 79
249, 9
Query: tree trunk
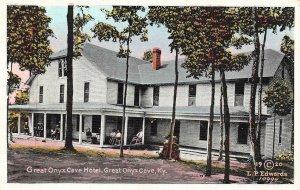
273, 152
174, 107
227, 129
125, 96
211, 120
260, 95
254, 80
221, 123
69, 138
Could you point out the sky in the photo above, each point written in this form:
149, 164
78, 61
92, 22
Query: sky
158, 37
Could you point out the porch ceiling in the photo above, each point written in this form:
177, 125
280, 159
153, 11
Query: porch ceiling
92, 106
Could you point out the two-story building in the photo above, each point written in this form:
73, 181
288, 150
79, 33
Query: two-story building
98, 97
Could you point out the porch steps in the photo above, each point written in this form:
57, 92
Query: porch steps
198, 154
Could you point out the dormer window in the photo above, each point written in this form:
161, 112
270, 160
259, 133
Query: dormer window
62, 68
192, 95
155, 95
239, 93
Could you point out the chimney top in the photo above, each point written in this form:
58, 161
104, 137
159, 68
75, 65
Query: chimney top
156, 60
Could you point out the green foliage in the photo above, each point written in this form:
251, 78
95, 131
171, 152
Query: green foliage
267, 17
28, 35
173, 18
136, 26
148, 55
278, 96
207, 35
22, 97
287, 47
13, 82
81, 19
12, 119
285, 156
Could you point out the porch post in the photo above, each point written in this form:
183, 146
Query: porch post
143, 128
80, 128
32, 124
102, 130
125, 130
45, 126
61, 127
208, 123
19, 123
28, 123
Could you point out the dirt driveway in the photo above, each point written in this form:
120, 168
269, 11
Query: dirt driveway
32, 166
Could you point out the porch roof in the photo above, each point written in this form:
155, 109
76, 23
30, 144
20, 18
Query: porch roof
91, 106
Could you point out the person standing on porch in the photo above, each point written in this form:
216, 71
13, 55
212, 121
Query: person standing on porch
26, 128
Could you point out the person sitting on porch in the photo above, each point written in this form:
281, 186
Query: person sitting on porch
118, 138
112, 137
137, 138
88, 135
26, 128
53, 133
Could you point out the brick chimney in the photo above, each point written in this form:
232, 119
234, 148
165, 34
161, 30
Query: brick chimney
156, 61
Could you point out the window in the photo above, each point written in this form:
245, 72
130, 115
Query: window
120, 93
242, 133
62, 67
86, 91
155, 95
41, 97
203, 130
136, 95
239, 93
280, 131
153, 127
96, 122
192, 95
61, 93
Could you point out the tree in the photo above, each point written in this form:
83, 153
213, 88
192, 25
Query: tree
136, 26
287, 47
279, 97
22, 97
173, 19
76, 39
28, 42
28, 35
252, 22
221, 125
207, 38
147, 55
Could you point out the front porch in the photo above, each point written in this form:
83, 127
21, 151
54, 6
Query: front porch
53, 126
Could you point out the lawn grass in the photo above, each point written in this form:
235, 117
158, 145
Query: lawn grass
79, 151
199, 165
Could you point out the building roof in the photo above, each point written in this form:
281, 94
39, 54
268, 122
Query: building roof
141, 72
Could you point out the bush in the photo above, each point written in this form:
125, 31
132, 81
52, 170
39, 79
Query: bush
286, 157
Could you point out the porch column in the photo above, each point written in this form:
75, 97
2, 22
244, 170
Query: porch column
208, 123
61, 127
45, 126
80, 129
32, 124
19, 123
102, 130
143, 128
125, 130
